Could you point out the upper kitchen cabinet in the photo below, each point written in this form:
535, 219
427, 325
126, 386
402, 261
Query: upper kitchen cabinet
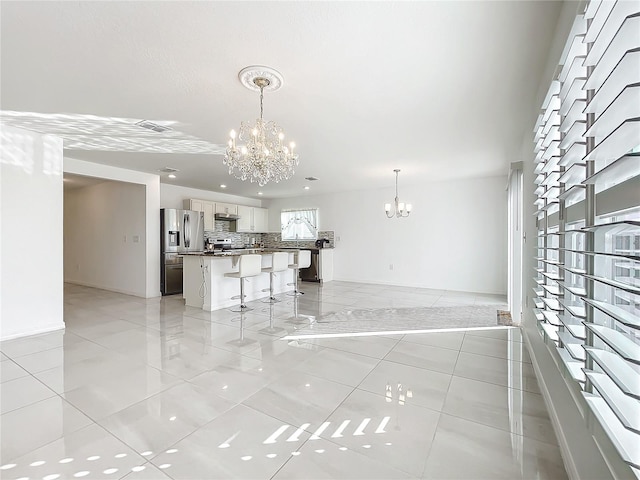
252, 219
197, 205
226, 209
261, 219
209, 216
203, 206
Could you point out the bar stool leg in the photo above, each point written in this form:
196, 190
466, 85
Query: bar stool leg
243, 306
271, 329
241, 341
296, 292
272, 299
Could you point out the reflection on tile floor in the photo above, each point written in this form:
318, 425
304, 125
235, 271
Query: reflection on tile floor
151, 389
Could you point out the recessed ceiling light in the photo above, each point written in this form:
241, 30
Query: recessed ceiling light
168, 170
306, 187
171, 175
260, 193
154, 127
223, 186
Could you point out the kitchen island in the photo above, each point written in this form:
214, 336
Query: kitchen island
206, 287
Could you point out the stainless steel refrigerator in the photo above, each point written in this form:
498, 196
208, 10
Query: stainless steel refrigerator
181, 231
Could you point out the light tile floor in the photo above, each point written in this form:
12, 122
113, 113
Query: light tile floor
151, 389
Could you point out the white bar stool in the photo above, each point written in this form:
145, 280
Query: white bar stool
279, 263
303, 260
248, 266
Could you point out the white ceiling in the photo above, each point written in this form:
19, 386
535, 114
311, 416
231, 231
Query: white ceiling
440, 89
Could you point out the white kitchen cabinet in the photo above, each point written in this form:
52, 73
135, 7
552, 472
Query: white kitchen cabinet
252, 219
245, 222
203, 206
209, 216
226, 208
325, 264
197, 205
261, 219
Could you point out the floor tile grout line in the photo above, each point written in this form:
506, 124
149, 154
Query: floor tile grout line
93, 422
496, 384
172, 445
433, 439
353, 390
452, 375
510, 432
54, 393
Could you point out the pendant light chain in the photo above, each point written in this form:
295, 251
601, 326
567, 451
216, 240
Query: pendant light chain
261, 97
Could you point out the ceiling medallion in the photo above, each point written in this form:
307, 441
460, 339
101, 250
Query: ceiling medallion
261, 155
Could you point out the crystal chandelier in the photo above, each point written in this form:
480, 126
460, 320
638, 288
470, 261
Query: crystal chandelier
261, 155
400, 209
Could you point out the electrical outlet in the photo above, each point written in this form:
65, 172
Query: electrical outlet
391, 266
136, 239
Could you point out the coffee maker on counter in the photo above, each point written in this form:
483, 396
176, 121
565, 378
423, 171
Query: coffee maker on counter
321, 241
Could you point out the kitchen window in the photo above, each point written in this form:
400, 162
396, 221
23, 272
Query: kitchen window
299, 224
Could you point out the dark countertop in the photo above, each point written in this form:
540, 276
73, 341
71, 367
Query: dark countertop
245, 251
240, 251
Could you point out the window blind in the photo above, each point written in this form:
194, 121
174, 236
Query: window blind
587, 273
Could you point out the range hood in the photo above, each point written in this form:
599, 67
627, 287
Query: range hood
226, 216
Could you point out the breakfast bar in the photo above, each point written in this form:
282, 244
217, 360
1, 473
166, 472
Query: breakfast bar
205, 285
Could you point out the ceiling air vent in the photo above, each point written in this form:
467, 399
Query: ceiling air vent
168, 170
154, 127
311, 179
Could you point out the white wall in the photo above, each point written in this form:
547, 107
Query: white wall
173, 196
455, 238
151, 240
104, 237
31, 278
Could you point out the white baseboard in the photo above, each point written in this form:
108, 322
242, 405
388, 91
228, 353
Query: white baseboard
109, 289
37, 331
584, 455
409, 285
565, 450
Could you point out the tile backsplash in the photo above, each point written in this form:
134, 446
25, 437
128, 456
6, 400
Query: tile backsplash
274, 240
237, 239
270, 240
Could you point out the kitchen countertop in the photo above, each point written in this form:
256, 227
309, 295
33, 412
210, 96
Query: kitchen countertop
240, 251
245, 251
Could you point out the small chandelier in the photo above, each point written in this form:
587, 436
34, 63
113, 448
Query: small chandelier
400, 209
262, 157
